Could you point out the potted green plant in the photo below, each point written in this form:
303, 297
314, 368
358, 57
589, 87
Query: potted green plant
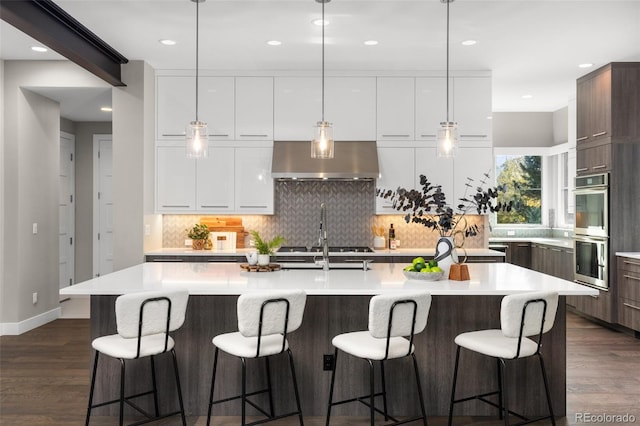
199, 235
265, 248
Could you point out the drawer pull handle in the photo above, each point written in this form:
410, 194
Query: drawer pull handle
213, 207
523, 245
174, 206
173, 134
601, 166
582, 138
253, 136
631, 306
595, 297
473, 136
595, 135
395, 136
631, 277
629, 262
583, 169
554, 249
219, 135
253, 207
427, 136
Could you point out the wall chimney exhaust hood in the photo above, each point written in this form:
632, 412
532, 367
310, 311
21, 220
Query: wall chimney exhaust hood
353, 160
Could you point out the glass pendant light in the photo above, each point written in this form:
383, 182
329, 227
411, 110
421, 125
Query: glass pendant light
197, 140
322, 143
447, 134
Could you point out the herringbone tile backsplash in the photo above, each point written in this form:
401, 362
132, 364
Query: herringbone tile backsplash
350, 216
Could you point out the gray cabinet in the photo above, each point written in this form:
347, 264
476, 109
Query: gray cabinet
629, 292
519, 253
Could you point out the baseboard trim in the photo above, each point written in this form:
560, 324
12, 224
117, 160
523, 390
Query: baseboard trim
17, 328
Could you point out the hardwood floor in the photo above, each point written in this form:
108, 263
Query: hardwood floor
44, 379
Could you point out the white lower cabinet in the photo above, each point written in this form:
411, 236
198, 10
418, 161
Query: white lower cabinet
253, 182
214, 181
175, 180
231, 180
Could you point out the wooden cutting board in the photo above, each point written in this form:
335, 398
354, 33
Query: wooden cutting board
226, 224
257, 268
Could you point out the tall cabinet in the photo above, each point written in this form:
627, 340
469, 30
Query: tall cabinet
608, 140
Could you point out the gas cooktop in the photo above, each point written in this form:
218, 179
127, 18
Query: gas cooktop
332, 249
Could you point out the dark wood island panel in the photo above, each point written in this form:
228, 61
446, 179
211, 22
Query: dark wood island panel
326, 316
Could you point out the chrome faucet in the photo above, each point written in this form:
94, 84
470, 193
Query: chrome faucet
322, 237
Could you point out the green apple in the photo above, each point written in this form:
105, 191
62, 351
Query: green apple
409, 268
426, 269
433, 263
418, 260
436, 269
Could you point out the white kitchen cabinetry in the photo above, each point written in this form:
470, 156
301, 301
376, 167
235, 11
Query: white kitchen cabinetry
176, 106
397, 169
439, 171
472, 109
254, 108
214, 181
395, 108
175, 180
471, 163
350, 104
297, 107
253, 182
431, 106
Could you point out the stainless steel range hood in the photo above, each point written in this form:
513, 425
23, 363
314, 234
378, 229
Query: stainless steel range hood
353, 160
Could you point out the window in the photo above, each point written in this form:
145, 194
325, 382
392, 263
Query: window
523, 176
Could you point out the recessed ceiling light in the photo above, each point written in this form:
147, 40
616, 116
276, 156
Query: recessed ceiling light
106, 109
274, 43
469, 42
527, 96
168, 42
585, 65
371, 42
39, 49
320, 22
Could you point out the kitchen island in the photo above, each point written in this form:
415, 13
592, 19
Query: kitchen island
337, 303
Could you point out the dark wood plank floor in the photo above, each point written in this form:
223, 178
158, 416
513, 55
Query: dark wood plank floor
44, 378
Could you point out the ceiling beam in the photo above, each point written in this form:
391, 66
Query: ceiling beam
46, 22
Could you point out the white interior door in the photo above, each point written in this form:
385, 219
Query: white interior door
102, 205
66, 208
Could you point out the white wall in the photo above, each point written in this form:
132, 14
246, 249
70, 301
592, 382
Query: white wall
522, 129
133, 141
30, 170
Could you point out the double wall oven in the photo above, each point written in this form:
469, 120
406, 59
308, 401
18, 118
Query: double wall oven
591, 232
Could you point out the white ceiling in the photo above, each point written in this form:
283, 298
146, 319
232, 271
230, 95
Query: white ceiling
531, 46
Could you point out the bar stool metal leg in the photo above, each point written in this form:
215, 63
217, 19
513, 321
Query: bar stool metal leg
453, 390
121, 392
499, 388
93, 384
266, 361
546, 388
384, 391
372, 389
213, 382
333, 381
422, 409
175, 370
155, 387
244, 391
505, 393
295, 386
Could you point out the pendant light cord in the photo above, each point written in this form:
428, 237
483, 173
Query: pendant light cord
197, 39
448, 2
323, 25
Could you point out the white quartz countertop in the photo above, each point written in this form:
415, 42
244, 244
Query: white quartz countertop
386, 252
556, 242
229, 279
631, 254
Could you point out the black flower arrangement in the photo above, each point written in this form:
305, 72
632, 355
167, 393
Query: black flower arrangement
428, 206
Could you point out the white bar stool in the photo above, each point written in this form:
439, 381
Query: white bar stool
143, 320
264, 319
392, 318
521, 316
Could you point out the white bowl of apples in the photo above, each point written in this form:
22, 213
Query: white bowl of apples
423, 270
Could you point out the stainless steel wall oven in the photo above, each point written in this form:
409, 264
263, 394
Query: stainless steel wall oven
591, 231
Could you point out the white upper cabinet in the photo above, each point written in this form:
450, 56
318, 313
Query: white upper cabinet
254, 108
297, 107
215, 181
395, 108
472, 108
397, 169
350, 104
175, 180
176, 106
431, 106
253, 182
